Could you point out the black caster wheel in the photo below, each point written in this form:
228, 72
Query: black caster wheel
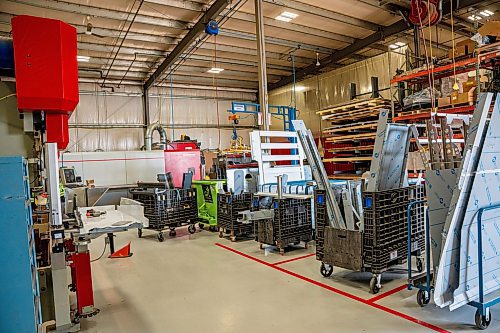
326, 270
160, 237
261, 246
306, 245
423, 298
221, 234
201, 226
420, 265
139, 233
482, 322
374, 288
172, 233
192, 229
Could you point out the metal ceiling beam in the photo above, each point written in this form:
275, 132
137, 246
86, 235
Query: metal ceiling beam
378, 36
184, 4
322, 12
214, 10
114, 14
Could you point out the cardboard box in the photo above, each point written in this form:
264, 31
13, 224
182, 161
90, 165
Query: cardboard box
490, 28
464, 98
462, 48
444, 101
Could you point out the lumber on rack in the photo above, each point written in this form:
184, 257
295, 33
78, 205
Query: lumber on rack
348, 159
359, 136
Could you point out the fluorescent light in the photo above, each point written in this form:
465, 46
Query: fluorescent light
486, 13
286, 16
215, 70
82, 58
300, 88
401, 44
474, 17
393, 46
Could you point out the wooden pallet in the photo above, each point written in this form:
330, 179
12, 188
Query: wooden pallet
348, 159
356, 104
352, 137
351, 127
348, 149
346, 176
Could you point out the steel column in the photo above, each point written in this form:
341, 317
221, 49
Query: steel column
261, 51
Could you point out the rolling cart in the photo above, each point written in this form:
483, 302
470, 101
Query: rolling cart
167, 208
228, 207
382, 244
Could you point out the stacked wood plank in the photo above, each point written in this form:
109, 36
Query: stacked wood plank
350, 136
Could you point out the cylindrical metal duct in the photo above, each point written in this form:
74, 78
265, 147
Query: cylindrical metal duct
148, 138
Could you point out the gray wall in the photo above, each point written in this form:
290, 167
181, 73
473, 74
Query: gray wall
13, 141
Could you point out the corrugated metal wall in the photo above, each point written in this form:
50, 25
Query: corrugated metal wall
114, 120
330, 88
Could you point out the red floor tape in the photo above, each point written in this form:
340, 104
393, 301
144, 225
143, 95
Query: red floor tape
294, 259
369, 302
388, 293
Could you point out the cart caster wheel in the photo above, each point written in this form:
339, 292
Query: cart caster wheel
172, 233
192, 229
232, 238
420, 265
139, 233
261, 246
423, 298
160, 237
282, 252
374, 288
482, 322
201, 226
221, 234
306, 245
326, 270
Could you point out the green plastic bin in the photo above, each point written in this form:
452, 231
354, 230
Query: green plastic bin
206, 197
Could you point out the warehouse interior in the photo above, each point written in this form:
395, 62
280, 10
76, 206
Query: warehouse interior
249, 165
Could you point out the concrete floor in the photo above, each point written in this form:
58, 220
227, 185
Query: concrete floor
190, 284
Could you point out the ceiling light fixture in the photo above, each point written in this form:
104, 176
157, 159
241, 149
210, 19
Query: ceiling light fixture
317, 59
82, 58
300, 88
474, 17
401, 44
286, 16
486, 13
393, 46
215, 70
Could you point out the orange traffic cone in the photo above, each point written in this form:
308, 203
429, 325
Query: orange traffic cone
124, 252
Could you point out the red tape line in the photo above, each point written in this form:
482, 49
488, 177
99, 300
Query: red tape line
294, 259
340, 292
388, 293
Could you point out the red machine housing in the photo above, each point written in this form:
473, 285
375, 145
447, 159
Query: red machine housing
81, 276
180, 156
46, 70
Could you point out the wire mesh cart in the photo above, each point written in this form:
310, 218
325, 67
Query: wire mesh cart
167, 208
282, 220
384, 241
228, 207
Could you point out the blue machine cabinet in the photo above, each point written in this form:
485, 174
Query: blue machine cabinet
19, 294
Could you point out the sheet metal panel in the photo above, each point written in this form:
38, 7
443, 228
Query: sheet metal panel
447, 278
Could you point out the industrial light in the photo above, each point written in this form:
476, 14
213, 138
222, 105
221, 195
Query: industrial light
82, 58
286, 16
300, 88
397, 45
474, 17
215, 70
486, 13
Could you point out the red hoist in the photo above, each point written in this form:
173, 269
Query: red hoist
425, 13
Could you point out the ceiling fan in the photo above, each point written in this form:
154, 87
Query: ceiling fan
88, 31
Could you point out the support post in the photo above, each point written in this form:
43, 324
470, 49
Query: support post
145, 106
261, 52
352, 91
375, 91
416, 43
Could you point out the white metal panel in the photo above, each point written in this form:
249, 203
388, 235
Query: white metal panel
105, 168
144, 165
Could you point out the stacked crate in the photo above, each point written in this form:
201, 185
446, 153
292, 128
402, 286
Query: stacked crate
228, 207
384, 241
292, 223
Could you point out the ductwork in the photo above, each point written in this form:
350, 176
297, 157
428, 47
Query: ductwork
148, 138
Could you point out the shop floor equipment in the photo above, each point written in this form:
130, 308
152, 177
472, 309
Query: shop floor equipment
282, 219
228, 207
384, 242
166, 208
20, 292
471, 226
206, 198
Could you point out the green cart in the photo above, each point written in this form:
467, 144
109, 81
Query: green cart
206, 195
